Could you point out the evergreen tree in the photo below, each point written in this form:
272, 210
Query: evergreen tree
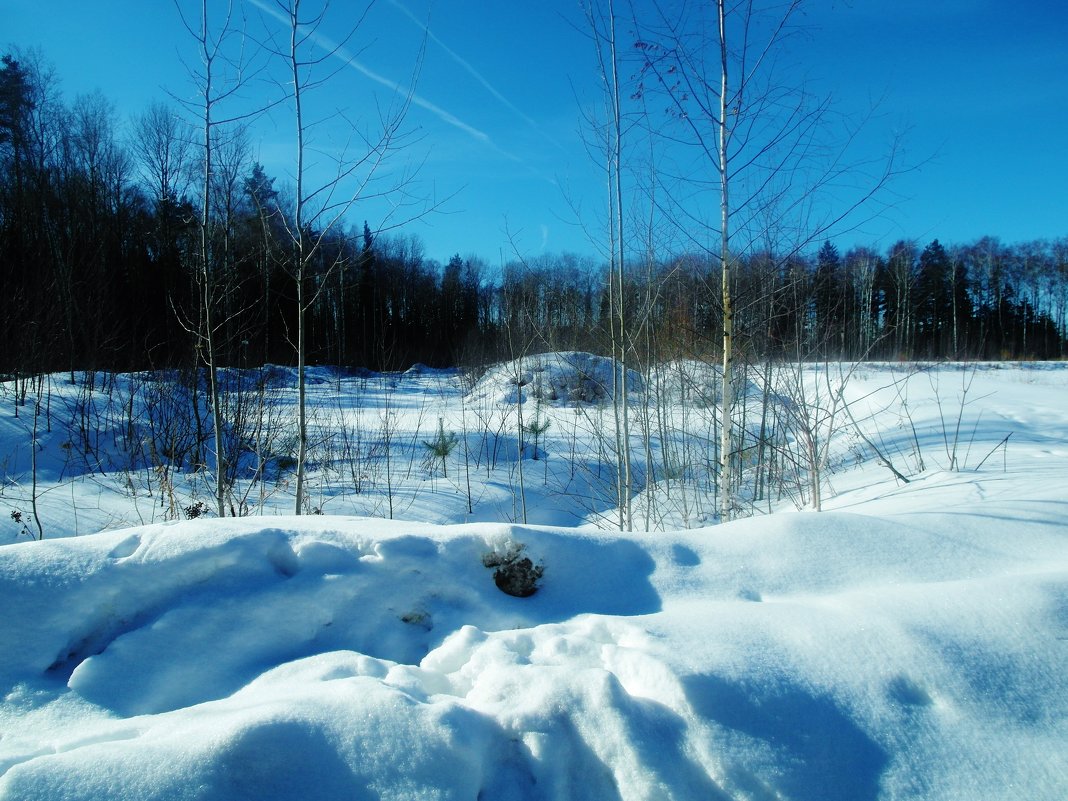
16, 101
829, 302
934, 301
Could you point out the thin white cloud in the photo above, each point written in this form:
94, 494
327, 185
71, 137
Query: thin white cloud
343, 54
465, 64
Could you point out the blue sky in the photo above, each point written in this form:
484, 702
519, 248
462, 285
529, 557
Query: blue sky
496, 134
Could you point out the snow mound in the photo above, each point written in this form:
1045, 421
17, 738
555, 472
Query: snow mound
832, 656
569, 377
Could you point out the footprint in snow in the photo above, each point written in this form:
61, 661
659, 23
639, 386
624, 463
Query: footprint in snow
128, 547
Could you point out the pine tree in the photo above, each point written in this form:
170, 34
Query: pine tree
934, 301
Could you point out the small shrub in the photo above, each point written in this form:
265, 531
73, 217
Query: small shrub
195, 510
515, 574
442, 445
17, 516
420, 618
537, 427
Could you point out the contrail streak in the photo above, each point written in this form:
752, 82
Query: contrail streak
344, 55
465, 64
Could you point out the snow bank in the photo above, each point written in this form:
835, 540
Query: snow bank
802, 656
567, 377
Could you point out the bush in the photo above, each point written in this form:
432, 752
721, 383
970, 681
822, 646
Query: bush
515, 574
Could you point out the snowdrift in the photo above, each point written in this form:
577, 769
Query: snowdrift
798, 656
567, 377
907, 643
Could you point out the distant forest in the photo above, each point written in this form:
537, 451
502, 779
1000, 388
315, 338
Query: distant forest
100, 253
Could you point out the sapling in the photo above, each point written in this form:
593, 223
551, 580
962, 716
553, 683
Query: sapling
467, 450
951, 429
442, 445
389, 428
519, 383
33, 463
536, 427
412, 449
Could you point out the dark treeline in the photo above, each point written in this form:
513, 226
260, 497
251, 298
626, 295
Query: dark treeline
99, 255
982, 300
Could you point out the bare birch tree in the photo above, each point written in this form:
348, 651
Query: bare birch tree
601, 19
213, 89
229, 63
768, 147
162, 142
320, 204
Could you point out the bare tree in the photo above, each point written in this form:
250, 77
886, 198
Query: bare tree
218, 80
773, 154
601, 19
162, 143
320, 205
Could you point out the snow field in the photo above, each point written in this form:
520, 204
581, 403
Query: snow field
907, 643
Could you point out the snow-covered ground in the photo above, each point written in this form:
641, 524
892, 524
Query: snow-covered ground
909, 641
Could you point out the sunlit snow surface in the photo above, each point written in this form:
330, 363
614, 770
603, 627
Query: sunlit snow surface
911, 641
